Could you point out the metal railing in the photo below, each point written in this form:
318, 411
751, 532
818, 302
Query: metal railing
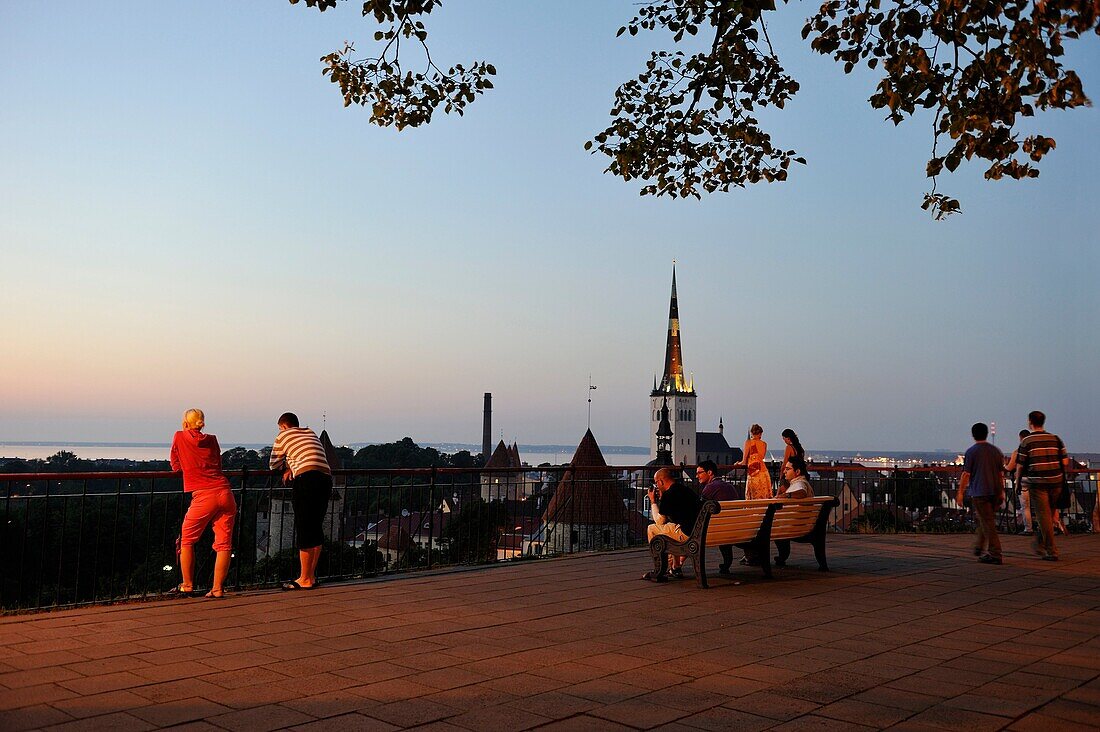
72, 539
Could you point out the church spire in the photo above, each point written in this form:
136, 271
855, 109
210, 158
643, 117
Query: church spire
673, 380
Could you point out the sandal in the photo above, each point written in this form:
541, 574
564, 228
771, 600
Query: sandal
677, 573
654, 577
178, 591
293, 585
215, 595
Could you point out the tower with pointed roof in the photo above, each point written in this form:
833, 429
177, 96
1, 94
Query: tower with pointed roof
679, 392
586, 511
505, 486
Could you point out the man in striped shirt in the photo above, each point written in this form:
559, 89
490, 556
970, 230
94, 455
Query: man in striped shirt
300, 454
1041, 462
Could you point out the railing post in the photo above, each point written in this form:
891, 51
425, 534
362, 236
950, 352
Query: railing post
42, 549
431, 514
572, 507
237, 527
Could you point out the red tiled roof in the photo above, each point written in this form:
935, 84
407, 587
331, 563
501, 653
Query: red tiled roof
396, 538
588, 492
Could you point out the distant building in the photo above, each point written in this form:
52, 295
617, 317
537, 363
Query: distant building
713, 446
511, 485
677, 392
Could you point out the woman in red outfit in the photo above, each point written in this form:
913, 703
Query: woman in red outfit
200, 458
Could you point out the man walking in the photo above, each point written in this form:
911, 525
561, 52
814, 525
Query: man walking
301, 454
716, 489
1041, 462
983, 480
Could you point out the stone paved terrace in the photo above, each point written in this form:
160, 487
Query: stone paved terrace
908, 632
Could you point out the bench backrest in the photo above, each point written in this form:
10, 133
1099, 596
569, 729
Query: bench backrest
798, 517
738, 522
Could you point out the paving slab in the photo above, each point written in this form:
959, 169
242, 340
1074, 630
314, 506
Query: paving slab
907, 632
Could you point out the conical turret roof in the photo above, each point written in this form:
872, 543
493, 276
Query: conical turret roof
588, 492
501, 457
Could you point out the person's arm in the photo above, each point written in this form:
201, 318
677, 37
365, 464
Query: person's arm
1000, 496
1010, 467
654, 508
217, 452
278, 457
744, 456
174, 454
964, 481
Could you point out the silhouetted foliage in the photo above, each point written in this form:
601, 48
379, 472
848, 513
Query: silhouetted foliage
687, 123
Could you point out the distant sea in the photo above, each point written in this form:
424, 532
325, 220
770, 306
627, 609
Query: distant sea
538, 454
530, 454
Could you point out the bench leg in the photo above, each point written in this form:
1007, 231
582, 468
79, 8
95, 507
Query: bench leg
698, 561
658, 548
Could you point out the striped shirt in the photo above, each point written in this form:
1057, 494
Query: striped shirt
299, 449
1040, 455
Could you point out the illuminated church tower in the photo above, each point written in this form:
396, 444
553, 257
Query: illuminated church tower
679, 393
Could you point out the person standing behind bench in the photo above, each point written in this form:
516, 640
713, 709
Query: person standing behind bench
199, 457
983, 480
758, 486
1041, 462
299, 452
674, 508
716, 489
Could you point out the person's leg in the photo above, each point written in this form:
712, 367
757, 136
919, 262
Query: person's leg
987, 525
187, 567
194, 522
221, 571
1040, 504
1056, 517
979, 526
310, 575
783, 552
300, 501
223, 541
1025, 499
726, 550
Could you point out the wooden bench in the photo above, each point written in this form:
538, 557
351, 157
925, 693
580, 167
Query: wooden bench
751, 526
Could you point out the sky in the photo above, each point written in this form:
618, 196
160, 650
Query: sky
190, 217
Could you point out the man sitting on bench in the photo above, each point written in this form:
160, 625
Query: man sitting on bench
674, 510
716, 489
798, 486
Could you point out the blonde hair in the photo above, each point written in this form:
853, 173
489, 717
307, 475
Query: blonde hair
756, 429
194, 419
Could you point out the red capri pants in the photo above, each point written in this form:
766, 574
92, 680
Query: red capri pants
212, 505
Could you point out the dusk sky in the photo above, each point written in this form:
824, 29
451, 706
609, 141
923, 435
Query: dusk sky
190, 217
